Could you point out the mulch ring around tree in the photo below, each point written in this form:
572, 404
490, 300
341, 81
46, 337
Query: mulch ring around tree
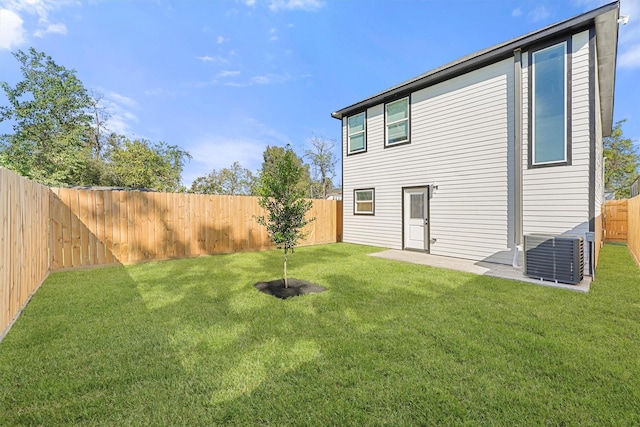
296, 288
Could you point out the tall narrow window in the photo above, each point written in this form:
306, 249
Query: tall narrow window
357, 133
397, 120
363, 201
549, 130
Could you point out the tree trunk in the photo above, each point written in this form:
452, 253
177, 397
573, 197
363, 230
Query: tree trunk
286, 284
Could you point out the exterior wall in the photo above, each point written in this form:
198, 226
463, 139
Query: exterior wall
556, 198
599, 166
461, 140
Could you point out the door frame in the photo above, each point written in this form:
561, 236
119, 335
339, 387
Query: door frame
427, 214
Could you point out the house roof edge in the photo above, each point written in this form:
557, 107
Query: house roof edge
503, 50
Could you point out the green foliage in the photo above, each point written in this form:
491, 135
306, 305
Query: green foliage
271, 158
621, 164
59, 135
50, 122
234, 180
143, 164
283, 198
323, 162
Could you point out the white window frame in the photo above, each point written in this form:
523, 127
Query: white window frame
356, 211
388, 123
363, 132
533, 104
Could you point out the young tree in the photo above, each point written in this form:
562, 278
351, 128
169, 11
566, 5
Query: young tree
234, 180
51, 125
621, 164
282, 197
323, 162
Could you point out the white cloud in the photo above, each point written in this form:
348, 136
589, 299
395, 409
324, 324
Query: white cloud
539, 13
227, 73
274, 34
308, 5
214, 59
217, 151
266, 79
52, 29
221, 40
42, 9
12, 33
516, 12
119, 106
630, 57
159, 91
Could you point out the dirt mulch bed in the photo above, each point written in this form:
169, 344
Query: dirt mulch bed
296, 288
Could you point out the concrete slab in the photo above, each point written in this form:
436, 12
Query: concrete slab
476, 267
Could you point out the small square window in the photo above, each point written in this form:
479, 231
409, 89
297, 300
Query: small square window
363, 201
357, 133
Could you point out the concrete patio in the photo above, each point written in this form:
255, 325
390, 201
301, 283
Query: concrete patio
477, 267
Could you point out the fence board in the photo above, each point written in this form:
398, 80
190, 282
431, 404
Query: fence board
616, 220
24, 243
633, 217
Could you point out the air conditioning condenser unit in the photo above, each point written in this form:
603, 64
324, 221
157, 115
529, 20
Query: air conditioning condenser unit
555, 258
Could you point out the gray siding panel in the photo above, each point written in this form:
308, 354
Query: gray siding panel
461, 131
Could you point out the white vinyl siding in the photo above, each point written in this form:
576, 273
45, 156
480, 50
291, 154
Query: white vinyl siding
461, 131
556, 199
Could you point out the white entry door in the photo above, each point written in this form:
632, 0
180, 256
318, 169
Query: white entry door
416, 218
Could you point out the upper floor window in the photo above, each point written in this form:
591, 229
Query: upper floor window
357, 133
549, 131
397, 122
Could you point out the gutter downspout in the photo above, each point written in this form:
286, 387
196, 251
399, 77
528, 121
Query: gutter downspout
517, 117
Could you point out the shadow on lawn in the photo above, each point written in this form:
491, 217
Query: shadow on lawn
192, 342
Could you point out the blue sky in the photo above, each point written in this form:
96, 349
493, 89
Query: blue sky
223, 79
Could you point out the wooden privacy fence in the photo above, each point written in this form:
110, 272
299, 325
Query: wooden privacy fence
44, 229
24, 245
91, 227
633, 215
616, 220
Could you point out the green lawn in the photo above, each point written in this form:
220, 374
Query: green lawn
191, 342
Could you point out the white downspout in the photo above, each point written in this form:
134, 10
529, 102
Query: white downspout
517, 185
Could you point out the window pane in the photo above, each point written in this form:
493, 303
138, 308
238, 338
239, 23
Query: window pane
356, 123
398, 132
549, 105
356, 142
417, 206
397, 110
364, 207
364, 195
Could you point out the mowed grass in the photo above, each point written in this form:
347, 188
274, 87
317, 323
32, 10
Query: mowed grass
191, 342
